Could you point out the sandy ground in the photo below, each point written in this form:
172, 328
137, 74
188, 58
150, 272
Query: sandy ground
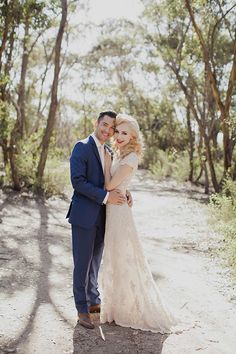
37, 312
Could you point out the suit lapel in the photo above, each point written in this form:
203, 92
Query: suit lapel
95, 149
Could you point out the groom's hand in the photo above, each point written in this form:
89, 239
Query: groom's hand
129, 199
116, 197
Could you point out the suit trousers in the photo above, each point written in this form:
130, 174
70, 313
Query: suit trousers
87, 246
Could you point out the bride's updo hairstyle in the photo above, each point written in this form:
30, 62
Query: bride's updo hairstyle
135, 144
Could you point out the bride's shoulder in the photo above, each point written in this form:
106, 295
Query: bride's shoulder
132, 155
131, 159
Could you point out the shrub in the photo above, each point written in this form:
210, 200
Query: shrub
56, 178
223, 206
171, 164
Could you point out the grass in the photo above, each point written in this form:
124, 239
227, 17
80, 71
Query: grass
223, 208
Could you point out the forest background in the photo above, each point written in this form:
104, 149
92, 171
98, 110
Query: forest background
173, 68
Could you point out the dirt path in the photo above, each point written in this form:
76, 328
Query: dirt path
37, 310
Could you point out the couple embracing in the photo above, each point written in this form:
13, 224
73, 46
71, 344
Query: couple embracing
100, 214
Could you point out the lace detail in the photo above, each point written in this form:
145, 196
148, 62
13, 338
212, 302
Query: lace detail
131, 160
130, 295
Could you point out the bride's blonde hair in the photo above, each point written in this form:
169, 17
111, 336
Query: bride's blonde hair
135, 144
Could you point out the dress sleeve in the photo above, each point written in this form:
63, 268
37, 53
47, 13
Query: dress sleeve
130, 160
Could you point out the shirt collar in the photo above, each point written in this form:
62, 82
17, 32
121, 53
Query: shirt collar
97, 142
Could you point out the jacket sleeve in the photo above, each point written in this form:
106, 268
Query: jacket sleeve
78, 172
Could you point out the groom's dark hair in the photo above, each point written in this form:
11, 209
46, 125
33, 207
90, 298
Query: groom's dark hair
106, 113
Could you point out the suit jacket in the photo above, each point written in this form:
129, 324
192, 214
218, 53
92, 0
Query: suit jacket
87, 179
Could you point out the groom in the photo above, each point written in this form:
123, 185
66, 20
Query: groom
87, 214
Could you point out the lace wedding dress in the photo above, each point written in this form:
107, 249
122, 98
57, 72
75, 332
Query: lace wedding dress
130, 295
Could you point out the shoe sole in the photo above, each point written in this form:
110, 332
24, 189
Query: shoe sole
86, 324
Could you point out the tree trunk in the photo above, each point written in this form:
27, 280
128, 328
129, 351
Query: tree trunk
191, 145
199, 149
5, 153
4, 34
202, 129
5, 68
54, 102
21, 93
206, 178
4, 128
211, 164
12, 158
234, 171
213, 136
227, 147
223, 107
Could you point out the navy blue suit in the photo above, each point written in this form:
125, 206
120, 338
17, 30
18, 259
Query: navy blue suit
87, 217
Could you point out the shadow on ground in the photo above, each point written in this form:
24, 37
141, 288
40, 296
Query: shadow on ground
21, 273
116, 339
31, 224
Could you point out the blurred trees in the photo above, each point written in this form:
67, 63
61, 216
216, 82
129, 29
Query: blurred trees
25, 30
174, 70
202, 62
126, 81
54, 97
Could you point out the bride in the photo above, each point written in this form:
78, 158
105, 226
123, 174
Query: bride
130, 295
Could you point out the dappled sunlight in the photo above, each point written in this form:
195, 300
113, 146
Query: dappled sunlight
17, 312
36, 271
37, 281
171, 65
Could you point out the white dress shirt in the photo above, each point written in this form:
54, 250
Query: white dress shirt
101, 152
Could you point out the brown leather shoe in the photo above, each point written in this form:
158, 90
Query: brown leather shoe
85, 320
94, 308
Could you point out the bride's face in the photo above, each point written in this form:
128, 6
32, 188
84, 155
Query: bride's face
122, 135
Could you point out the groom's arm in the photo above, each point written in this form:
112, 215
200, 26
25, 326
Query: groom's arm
78, 172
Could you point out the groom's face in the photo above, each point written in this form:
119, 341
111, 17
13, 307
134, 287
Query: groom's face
104, 129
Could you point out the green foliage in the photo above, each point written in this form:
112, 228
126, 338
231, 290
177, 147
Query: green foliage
56, 178
26, 163
223, 206
171, 164
5, 175
170, 34
27, 159
4, 122
56, 175
24, 91
131, 68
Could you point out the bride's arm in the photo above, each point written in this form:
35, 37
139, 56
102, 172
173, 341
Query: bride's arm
121, 173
